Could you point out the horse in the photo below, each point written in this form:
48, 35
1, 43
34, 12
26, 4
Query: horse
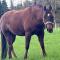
26, 22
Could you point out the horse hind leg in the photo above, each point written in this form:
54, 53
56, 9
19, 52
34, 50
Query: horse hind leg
13, 52
13, 40
9, 37
4, 47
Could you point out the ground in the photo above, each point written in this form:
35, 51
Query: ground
52, 46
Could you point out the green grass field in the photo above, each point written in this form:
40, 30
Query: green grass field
52, 46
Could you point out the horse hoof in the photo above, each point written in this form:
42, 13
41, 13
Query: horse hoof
25, 57
10, 59
44, 55
15, 56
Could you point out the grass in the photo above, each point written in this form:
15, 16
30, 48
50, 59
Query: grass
52, 46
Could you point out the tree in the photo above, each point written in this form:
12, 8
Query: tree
4, 7
12, 6
19, 6
0, 8
27, 3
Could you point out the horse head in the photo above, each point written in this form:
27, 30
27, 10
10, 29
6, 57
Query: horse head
49, 19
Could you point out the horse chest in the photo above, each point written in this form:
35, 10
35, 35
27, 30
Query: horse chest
38, 29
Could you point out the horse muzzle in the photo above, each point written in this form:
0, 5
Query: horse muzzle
50, 30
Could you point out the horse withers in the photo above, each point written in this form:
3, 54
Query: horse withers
26, 22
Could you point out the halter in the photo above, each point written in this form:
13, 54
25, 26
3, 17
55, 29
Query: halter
48, 22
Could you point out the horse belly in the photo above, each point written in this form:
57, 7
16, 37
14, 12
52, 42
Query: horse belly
20, 34
16, 28
19, 31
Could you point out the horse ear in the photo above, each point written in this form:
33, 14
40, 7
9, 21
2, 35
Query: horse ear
44, 8
50, 7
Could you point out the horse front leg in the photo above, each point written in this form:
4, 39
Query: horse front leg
27, 43
41, 41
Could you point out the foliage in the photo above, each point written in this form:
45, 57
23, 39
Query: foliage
27, 3
0, 8
3, 7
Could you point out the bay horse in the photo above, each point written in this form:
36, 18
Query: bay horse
26, 22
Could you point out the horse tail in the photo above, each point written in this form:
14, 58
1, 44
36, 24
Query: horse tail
3, 46
0, 24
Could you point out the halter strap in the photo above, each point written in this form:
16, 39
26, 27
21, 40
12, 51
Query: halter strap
48, 22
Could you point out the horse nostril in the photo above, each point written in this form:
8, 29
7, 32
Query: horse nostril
50, 30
